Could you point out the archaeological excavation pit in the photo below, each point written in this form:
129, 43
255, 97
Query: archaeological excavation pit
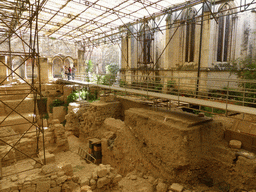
127, 96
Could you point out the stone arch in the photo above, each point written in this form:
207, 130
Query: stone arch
18, 62
145, 47
68, 61
188, 32
225, 32
29, 68
57, 66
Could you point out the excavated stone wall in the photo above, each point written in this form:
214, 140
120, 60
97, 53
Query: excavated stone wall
168, 144
56, 178
178, 147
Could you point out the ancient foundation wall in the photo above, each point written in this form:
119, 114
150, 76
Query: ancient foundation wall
94, 117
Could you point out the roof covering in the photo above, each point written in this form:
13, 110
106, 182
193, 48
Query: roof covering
84, 20
80, 19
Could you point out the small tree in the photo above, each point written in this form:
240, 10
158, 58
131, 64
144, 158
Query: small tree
110, 77
88, 70
246, 69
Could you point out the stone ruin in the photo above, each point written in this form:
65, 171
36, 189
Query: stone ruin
153, 150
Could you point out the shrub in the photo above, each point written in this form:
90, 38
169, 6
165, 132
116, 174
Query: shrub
56, 103
108, 79
122, 83
171, 83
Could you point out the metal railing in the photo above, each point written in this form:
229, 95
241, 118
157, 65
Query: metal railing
212, 95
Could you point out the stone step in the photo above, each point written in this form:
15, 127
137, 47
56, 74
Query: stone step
17, 122
14, 92
26, 106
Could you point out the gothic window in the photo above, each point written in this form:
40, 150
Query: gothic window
145, 44
29, 68
57, 67
224, 33
190, 27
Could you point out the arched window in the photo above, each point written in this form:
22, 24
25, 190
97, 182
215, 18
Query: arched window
29, 68
224, 33
18, 64
145, 46
57, 67
190, 28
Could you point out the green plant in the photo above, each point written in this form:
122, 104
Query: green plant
122, 83
108, 79
46, 116
171, 83
112, 69
56, 103
158, 86
245, 68
89, 66
98, 79
88, 70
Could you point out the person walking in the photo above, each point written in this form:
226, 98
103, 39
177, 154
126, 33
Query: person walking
69, 72
66, 72
73, 72
62, 72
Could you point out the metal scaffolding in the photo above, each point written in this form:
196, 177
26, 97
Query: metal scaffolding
11, 22
91, 23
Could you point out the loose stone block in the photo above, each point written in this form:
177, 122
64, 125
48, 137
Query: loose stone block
161, 187
55, 189
59, 113
117, 178
47, 169
235, 144
102, 171
86, 188
84, 181
102, 181
43, 186
61, 179
176, 187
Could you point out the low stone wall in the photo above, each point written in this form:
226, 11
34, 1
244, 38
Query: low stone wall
54, 178
74, 116
170, 145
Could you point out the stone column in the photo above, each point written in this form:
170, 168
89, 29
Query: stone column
206, 41
44, 70
3, 69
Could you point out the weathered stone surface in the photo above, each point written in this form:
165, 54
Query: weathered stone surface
161, 187
54, 177
151, 179
29, 189
146, 189
53, 183
93, 183
133, 177
102, 171
94, 175
76, 179
84, 181
55, 189
68, 170
117, 178
102, 181
43, 186
176, 187
70, 186
47, 169
14, 178
60, 173
59, 113
61, 179
49, 158
86, 188
235, 144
